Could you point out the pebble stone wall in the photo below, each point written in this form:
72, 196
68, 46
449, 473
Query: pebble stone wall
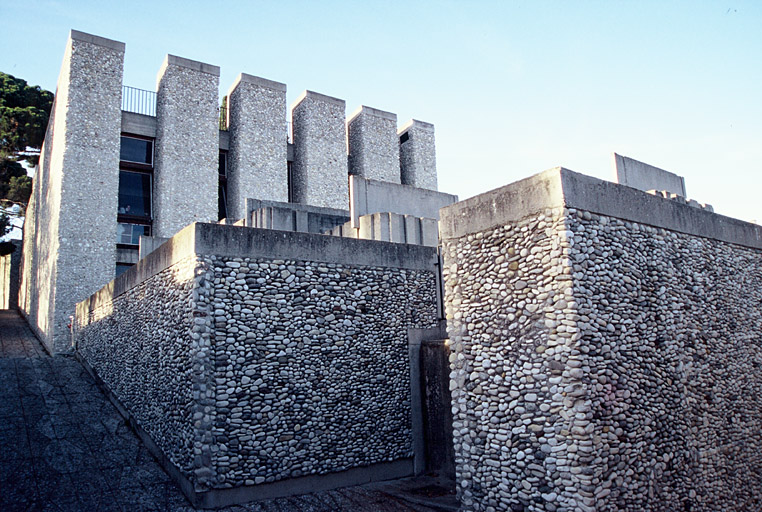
599, 364
319, 171
258, 143
418, 159
374, 148
187, 145
153, 359
249, 371
311, 365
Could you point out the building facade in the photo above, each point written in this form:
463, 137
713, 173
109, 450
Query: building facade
120, 163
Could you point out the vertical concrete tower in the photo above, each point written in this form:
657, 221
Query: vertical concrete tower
374, 149
418, 160
257, 157
187, 145
70, 246
319, 175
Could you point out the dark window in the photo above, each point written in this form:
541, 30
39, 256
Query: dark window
222, 166
404, 137
222, 191
134, 194
290, 179
121, 268
139, 151
129, 234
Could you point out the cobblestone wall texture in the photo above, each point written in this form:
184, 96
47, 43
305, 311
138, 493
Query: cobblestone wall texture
604, 365
187, 145
258, 143
252, 371
374, 149
320, 175
74, 208
418, 159
149, 346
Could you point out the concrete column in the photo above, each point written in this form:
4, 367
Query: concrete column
319, 172
418, 160
258, 143
72, 252
374, 150
187, 145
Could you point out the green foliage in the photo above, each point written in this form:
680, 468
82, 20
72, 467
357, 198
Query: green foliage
24, 113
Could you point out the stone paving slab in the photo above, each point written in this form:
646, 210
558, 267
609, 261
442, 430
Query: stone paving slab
64, 447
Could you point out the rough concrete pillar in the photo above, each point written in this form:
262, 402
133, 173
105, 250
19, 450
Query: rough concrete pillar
257, 166
374, 150
73, 246
418, 160
187, 145
319, 172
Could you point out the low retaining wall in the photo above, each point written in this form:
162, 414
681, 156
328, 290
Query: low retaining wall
258, 361
600, 363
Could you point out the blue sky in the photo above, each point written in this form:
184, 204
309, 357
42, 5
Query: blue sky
512, 87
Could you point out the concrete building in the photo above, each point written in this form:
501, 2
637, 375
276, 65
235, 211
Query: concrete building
120, 164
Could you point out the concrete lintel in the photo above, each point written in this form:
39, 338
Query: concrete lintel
318, 97
76, 35
561, 187
138, 124
195, 65
370, 111
242, 242
423, 125
256, 80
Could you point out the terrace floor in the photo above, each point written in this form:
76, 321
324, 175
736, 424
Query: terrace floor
63, 446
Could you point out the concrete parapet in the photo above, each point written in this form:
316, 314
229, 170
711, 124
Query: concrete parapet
319, 171
418, 161
293, 217
562, 187
187, 145
392, 227
373, 196
646, 177
374, 150
258, 143
72, 216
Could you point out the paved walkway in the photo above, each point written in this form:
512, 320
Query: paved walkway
63, 446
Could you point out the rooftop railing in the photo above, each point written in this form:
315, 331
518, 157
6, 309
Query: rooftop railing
139, 101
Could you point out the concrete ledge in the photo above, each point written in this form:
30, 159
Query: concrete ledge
76, 35
418, 124
561, 187
242, 242
262, 82
138, 124
370, 111
318, 97
195, 65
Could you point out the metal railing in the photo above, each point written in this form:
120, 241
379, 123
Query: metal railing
139, 101
223, 118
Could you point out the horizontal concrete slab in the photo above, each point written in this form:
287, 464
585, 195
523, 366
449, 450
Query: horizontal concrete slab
562, 187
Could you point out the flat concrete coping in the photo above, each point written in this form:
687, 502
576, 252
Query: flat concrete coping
255, 204
414, 123
561, 187
256, 80
76, 35
195, 65
318, 97
244, 242
370, 111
